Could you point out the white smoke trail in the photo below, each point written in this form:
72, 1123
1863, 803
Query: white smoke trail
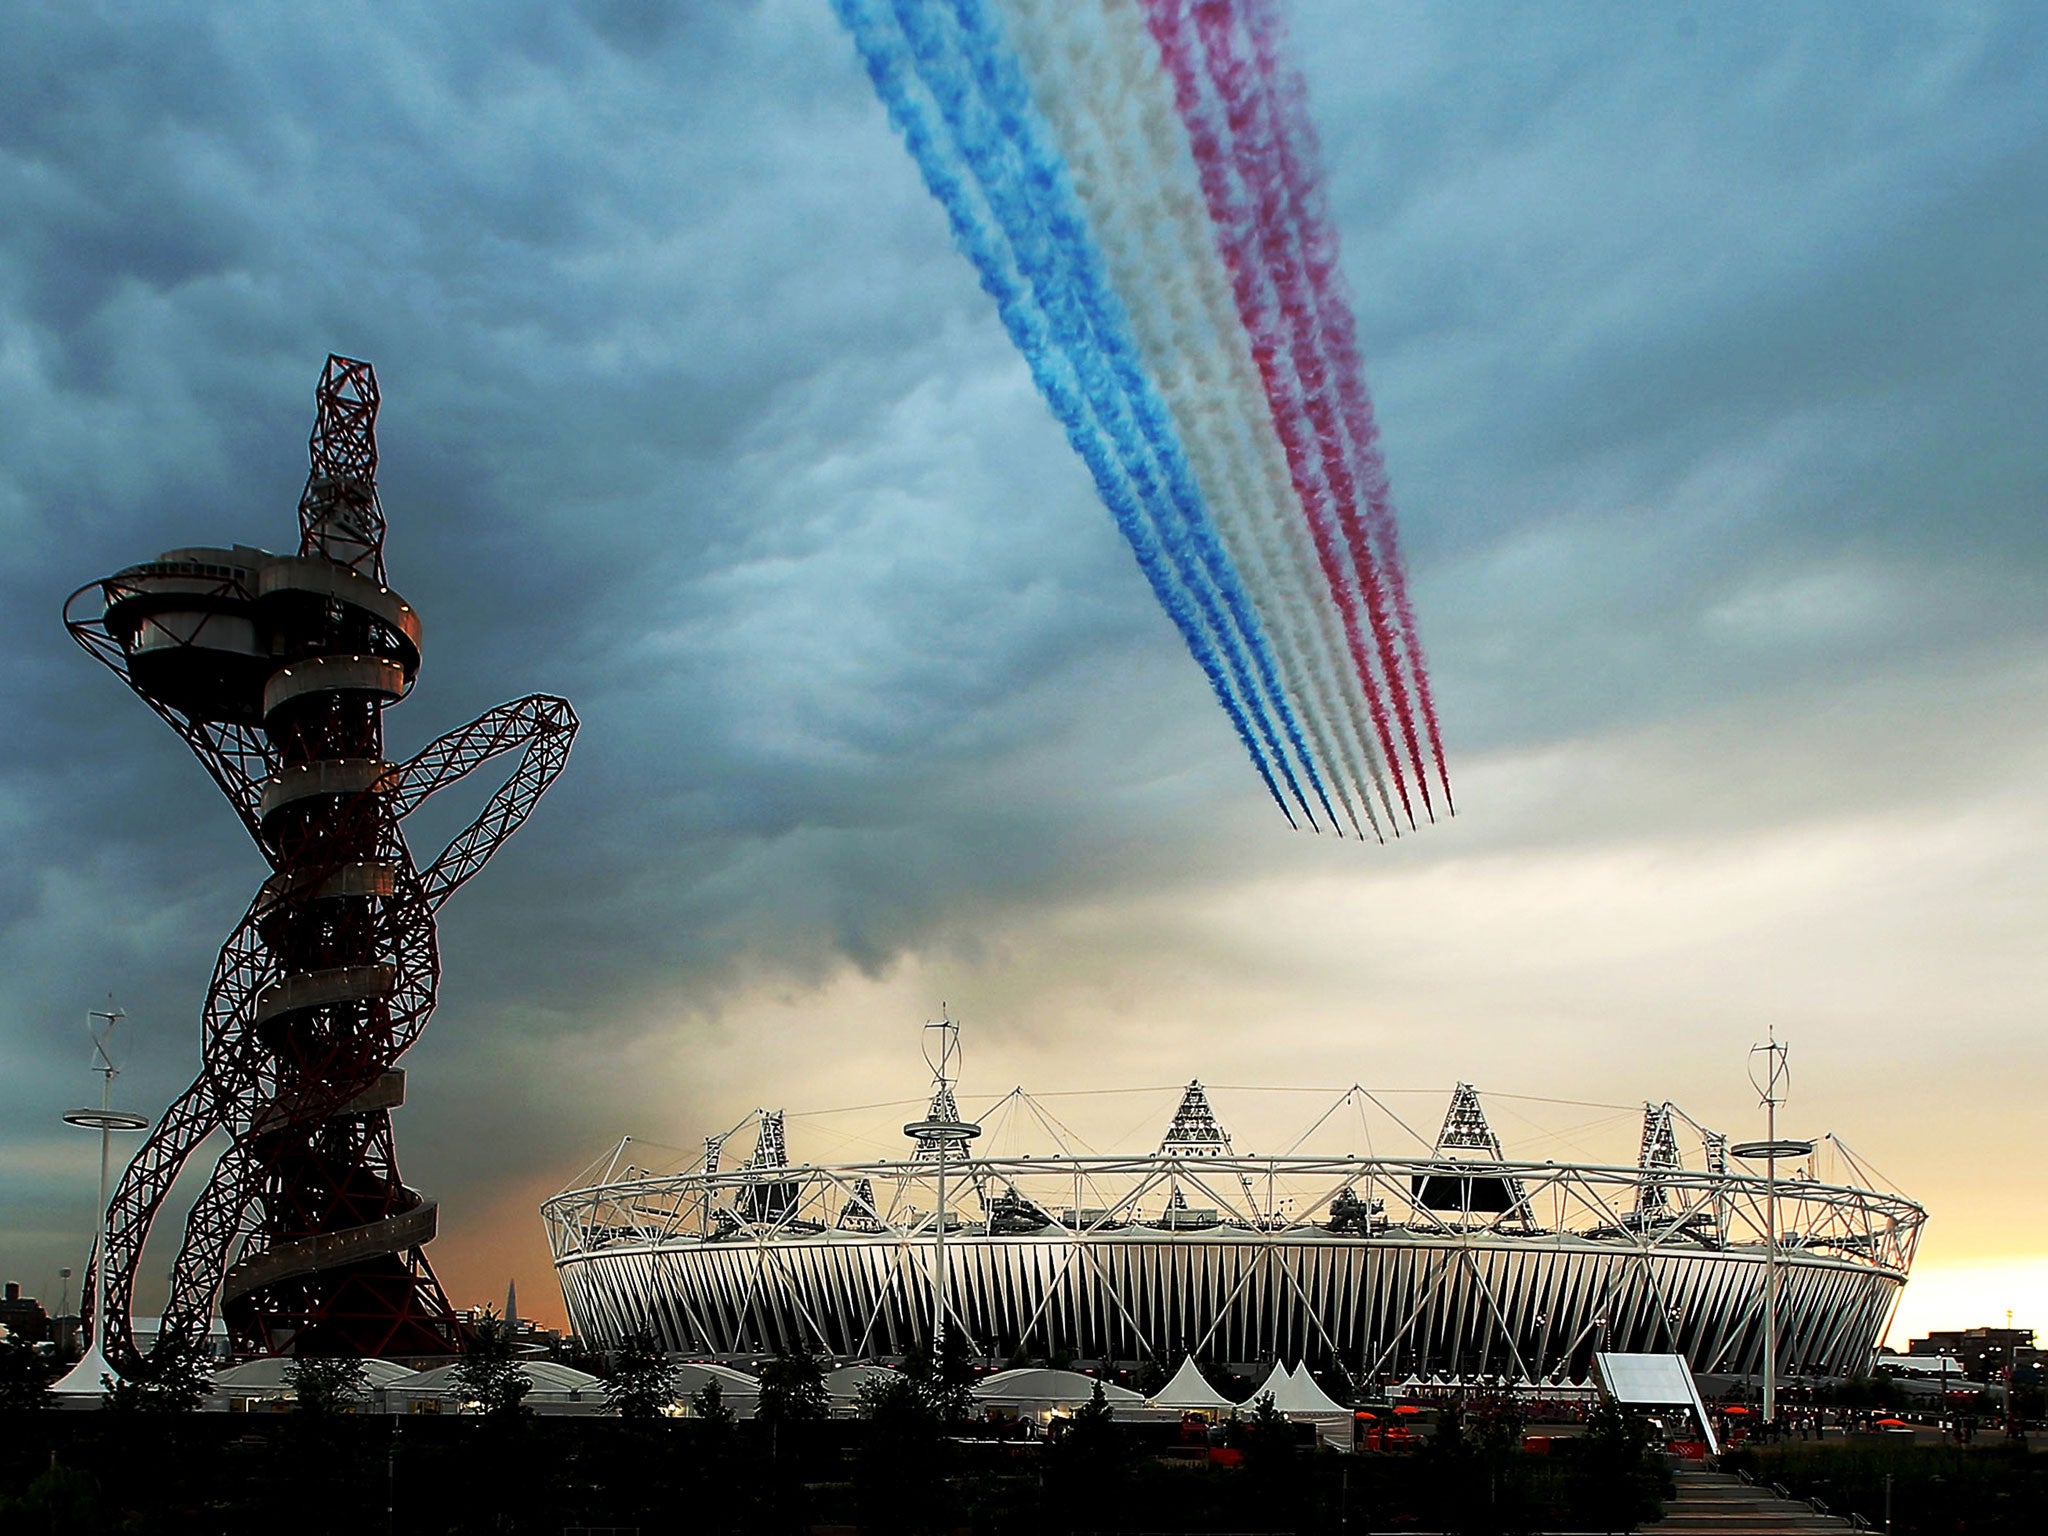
920, 118
1070, 80
1238, 114
1242, 406
1162, 181
1097, 79
973, 70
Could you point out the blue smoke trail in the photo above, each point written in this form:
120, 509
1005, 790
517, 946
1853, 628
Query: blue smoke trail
1026, 183
886, 58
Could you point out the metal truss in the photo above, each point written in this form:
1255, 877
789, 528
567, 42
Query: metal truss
1092, 1254
340, 518
275, 671
1658, 1155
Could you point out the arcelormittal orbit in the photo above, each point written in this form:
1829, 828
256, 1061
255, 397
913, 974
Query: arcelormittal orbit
276, 670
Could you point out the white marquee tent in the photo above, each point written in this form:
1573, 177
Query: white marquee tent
1190, 1392
737, 1391
1043, 1393
265, 1381
555, 1389
1297, 1395
843, 1386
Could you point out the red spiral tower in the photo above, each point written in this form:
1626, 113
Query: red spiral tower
276, 670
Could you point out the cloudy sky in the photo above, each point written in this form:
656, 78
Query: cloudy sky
1707, 344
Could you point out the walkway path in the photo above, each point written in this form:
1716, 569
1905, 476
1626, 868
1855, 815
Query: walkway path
1723, 1504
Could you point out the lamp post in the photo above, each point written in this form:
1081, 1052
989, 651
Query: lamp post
942, 1130
1775, 1081
106, 1120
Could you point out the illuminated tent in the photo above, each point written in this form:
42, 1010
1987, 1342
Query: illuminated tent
1190, 1392
1033, 1390
1298, 1396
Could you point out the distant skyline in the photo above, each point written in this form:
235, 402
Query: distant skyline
1706, 347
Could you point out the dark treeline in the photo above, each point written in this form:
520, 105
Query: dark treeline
1990, 1489
229, 1474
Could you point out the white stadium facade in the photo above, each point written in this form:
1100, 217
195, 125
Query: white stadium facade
1456, 1259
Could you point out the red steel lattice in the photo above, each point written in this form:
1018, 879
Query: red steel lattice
276, 671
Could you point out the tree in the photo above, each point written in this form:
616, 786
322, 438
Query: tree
24, 1374
899, 1474
1621, 1485
1093, 1415
947, 1381
1091, 1458
892, 1397
793, 1389
1500, 1471
59, 1501
643, 1383
327, 1384
174, 1378
489, 1373
708, 1403
1264, 1435
1447, 1440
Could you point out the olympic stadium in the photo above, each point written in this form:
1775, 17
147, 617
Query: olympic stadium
1450, 1258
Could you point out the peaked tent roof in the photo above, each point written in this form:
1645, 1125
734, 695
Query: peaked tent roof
1298, 1393
83, 1379
1189, 1389
1276, 1383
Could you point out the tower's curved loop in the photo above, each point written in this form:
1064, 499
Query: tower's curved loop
543, 726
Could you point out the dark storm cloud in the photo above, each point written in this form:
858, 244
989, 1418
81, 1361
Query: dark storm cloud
1669, 306
1705, 349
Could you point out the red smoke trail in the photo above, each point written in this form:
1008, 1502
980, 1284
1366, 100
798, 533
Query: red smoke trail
1235, 234
1257, 154
1297, 155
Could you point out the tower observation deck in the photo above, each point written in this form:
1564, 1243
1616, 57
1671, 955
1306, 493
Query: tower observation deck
276, 670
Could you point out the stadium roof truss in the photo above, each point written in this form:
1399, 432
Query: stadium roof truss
1074, 1222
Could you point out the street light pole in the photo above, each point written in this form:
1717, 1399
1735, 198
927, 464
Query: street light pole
1775, 1079
938, 1135
1771, 1246
940, 1284
106, 1120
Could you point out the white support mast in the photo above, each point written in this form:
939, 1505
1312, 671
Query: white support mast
84, 1377
939, 1136
1772, 1079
